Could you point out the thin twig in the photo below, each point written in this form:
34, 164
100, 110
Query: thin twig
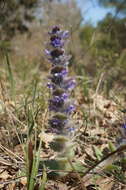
98, 164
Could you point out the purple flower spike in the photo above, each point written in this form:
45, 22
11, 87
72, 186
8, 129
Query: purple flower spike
60, 104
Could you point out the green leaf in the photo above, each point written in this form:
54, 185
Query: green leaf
98, 153
112, 147
44, 179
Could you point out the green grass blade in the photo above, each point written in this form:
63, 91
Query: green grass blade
10, 74
34, 169
34, 92
44, 179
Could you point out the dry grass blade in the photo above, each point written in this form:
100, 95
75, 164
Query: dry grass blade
10, 153
30, 156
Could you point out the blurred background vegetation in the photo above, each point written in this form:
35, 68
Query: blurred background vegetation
97, 50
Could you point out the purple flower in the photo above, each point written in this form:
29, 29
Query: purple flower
56, 103
59, 70
71, 129
64, 34
54, 30
56, 53
62, 60
70, 109
47, 52
69, 83
56, 41
50, 85
124, 126
64, 96
57, 123
57, 79
57, 75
